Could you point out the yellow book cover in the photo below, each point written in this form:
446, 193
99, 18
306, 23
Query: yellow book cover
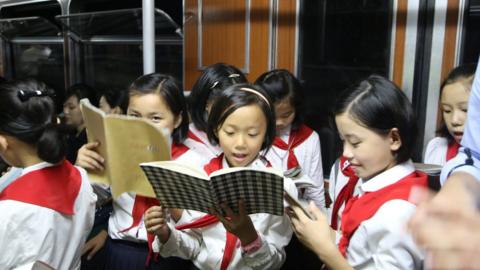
125, 142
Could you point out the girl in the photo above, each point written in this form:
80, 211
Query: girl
46, 204
155, 97
207, 88
454, 94
296, 148
241, 121
377, 124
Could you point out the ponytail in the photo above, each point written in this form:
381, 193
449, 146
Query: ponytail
51, 145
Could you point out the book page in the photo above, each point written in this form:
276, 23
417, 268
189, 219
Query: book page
261, 189
132, 141
176, 189
93, 118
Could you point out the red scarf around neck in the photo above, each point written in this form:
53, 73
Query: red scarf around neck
346, 192
359, 209
54, 187
297, 137
452, 149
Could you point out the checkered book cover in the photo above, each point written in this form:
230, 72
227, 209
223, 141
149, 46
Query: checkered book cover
262, 191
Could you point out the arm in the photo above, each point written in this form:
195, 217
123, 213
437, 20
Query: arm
313, 169
318, 236
169, 241
450, 232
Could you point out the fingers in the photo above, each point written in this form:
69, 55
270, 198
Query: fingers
88, 246
88, 158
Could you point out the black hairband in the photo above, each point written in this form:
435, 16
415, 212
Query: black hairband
25, 95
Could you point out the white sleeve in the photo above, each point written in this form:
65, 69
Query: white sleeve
272, 253
314, 170
184, 244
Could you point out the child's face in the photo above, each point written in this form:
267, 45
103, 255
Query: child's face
454, 102
284, 113
71, 110
153, 108
368, 152
242, 134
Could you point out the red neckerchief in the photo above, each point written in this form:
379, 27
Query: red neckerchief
452, 149
194, 137
359, 209
297, 137
346, 192
142, 203
54, 187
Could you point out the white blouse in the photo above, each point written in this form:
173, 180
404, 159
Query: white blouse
309, 157
34, 233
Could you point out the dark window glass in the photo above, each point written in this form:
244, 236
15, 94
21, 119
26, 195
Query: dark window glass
343, 42
471, 38
41, 61
107, 66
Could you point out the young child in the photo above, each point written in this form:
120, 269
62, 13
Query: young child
454, 94
207, 88
47, 205
158, 98
377, 125
296, 148
241, 121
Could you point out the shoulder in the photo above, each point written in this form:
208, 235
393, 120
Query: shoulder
437, 142
391, 217
193, 157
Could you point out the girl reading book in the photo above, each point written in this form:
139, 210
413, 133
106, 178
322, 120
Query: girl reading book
296, 147
242, 122
377, 125
47, 205
158, 98
454, 94
213, 80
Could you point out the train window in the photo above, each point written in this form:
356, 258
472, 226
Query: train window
471, 33
343, 41
111, 45
33, 45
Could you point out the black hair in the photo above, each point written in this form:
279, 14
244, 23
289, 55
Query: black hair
234, 98
464, 74
281, 84
167, 87
116, 97
81, 91
213, 80
27, 112
379, 105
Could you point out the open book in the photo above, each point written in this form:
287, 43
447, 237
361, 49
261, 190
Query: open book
125, 142
180, 185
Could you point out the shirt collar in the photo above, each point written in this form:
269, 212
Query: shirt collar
388, 177
35, 167
257, 163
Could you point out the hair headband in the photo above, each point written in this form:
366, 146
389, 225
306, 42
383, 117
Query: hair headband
256, 93
25, 95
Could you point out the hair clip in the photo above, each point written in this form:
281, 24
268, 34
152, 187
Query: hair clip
25, 95
214, 84
234, 75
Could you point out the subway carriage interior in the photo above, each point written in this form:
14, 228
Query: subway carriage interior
327, 44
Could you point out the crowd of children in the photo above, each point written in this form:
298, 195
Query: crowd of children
50, 212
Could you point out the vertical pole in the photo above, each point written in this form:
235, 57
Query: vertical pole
148, 16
